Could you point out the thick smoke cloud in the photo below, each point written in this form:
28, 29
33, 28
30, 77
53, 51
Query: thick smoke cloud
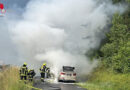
8, 50
60, 32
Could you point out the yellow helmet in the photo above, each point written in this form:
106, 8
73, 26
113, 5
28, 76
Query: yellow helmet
25, 63
30, 70
44, 64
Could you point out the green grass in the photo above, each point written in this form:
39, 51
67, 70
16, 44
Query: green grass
9, 80
103, 79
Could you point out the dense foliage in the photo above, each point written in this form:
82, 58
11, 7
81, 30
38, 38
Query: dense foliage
116, 52
117, 1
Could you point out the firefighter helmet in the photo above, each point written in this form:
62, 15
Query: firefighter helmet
44, 64
25, 64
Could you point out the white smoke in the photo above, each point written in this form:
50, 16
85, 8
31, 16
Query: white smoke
1, 62
60, 32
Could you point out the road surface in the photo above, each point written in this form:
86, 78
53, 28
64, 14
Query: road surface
58, 86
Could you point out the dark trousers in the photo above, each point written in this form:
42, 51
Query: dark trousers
23, 77
30, 77
42, 75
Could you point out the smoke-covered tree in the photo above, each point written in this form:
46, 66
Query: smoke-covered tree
117, 1
116, 52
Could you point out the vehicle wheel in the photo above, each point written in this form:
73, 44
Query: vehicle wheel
59, 80
74, 81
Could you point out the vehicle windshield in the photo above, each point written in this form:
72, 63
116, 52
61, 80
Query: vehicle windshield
66, 68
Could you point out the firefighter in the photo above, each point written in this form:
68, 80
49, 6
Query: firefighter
43, 71
31, 74
23, 72
48, 72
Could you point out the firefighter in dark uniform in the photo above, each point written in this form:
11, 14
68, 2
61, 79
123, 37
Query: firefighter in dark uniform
31, 74
24, 72
43, 71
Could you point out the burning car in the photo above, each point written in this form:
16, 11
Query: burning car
67, 74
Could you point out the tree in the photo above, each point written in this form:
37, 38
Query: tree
116, 52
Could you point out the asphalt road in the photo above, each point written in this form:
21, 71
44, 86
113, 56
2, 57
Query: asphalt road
70, 87
56, 86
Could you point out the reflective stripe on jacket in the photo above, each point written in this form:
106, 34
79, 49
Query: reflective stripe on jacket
23, 71
43, 69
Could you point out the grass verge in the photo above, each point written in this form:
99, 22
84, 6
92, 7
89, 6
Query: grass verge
9, 80
103, 79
